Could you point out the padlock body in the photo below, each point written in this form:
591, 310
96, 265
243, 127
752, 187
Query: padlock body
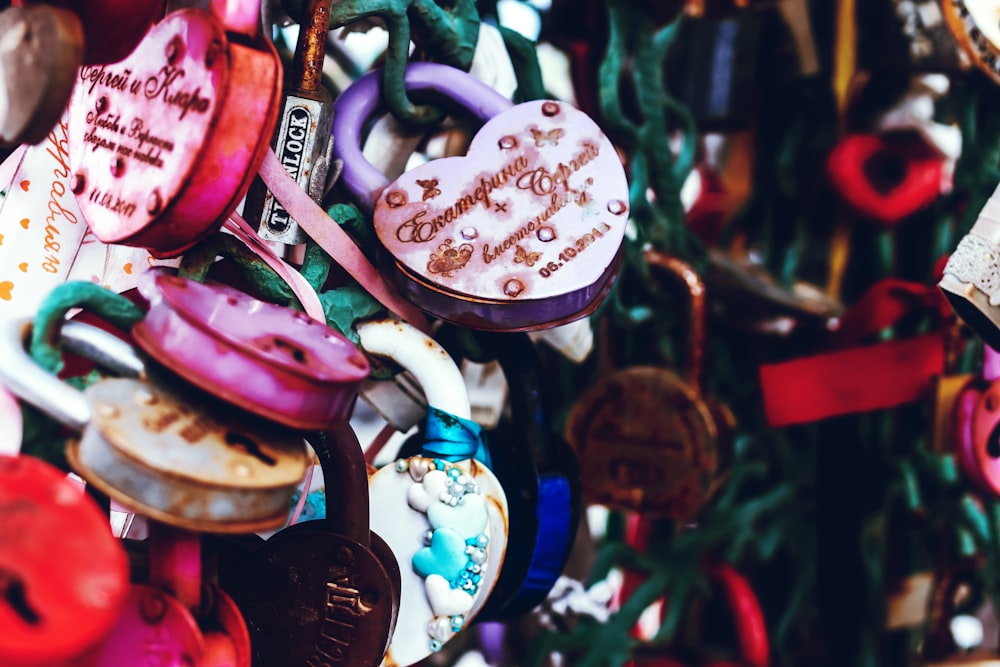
159, 456
303, 145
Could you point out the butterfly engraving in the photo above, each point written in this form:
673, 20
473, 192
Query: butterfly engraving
528, 258
447, 259
550, 138
430, 188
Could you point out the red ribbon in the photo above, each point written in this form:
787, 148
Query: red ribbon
859, 378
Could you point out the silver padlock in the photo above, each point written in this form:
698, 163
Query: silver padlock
154, 452
302, 139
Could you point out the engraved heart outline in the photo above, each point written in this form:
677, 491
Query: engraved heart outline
520, 195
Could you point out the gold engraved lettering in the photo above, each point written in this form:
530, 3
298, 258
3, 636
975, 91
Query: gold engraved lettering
160, 422
420, 230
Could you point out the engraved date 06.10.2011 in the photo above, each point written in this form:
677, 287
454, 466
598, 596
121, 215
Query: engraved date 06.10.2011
569, 252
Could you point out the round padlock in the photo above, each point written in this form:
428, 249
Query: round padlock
278, 363
63, 575
153, 451
646, 437
164, 144
523, 232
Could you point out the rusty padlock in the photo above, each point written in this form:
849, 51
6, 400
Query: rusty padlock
523, 232
324, 591
648, 437
63, 575
164, 143
444, 514
154, 452
273, 361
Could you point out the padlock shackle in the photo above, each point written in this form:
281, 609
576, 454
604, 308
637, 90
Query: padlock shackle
751, 630
31, 383
428, 362
345, 474
362, 100
692, 369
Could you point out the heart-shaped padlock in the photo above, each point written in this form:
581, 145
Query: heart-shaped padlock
444, 514
164, 144
317, 592
886, 180
157, 454
41, 50
63, 576
273, 361
524, 232
132, 18
539, 471
647, 437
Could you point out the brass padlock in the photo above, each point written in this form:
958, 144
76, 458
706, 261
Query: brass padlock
647, 437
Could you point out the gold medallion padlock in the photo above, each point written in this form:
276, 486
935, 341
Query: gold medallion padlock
647, 437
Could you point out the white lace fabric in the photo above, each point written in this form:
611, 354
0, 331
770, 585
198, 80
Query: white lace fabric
977, 261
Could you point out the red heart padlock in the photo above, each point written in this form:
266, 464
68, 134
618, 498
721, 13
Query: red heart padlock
273, 361
885, 179
63, 576
163, 145
132, 18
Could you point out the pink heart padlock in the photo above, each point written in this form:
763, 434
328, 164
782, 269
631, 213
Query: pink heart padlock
163, 144
524, 232
273, 361
978, 419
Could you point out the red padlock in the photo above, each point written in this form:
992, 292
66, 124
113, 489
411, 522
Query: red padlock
63, 575
886, 178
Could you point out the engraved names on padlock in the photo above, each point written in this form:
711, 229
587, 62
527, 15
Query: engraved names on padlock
535, 211
145, 120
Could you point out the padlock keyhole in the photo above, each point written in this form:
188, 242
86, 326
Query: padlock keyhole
993, 443
885, 170
12, 592
248, 445
294, 351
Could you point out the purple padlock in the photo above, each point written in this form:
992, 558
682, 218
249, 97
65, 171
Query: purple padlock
524, 232
275, 362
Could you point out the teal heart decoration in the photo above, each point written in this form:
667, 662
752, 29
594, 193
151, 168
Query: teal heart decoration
445, 556
468, 518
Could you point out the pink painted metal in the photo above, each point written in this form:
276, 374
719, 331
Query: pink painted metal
278, 363
164, 143
155, 629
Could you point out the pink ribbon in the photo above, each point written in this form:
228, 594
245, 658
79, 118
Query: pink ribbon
335, 241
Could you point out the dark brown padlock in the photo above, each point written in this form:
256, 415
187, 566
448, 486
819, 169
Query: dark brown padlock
317, 593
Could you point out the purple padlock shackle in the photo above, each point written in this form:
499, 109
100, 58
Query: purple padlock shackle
363, 100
